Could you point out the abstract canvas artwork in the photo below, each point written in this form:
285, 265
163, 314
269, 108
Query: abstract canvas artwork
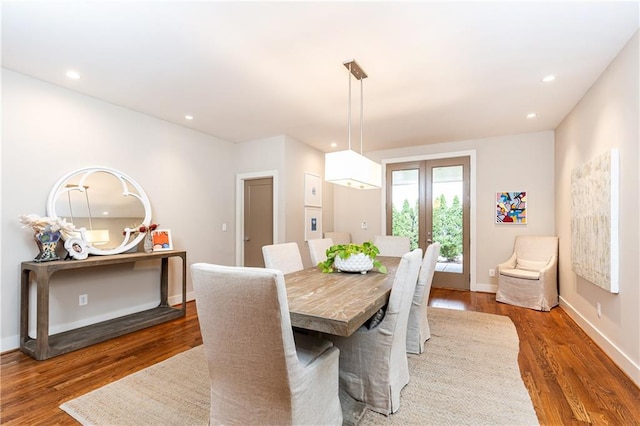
594, 221
511, 207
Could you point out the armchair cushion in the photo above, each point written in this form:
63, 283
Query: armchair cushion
530, 265
521, 273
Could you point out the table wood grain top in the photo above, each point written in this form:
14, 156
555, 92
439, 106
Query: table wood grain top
338, 303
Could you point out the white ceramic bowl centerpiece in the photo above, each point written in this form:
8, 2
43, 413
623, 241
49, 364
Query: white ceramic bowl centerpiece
358, 262
352, 258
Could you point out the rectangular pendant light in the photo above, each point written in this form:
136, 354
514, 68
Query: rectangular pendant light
348, 168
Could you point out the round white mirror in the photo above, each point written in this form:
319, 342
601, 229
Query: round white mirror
105, 205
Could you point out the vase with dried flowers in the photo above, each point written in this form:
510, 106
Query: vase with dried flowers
148, 240
47, 232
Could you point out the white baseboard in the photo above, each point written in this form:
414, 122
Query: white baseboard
177, 299
9, 343
621, 359
486, 288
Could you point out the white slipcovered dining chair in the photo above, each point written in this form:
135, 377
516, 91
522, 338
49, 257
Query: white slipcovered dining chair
392, 245
318, 249
373, 361
418, 327
284, 257
530, 277
261, 373
339, 237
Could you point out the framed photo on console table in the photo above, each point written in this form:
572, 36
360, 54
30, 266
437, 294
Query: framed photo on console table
161, 240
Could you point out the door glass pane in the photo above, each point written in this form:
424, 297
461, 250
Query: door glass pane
405, 204
447, 186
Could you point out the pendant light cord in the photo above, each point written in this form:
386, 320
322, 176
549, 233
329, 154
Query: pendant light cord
361, 112
86, 195
349, 108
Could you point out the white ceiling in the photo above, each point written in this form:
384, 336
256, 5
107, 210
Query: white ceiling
438, 71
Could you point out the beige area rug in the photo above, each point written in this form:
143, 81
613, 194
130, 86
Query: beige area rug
468, 375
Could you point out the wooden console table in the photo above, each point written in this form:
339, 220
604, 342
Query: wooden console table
45, 346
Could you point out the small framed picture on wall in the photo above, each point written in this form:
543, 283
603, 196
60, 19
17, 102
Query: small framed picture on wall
312, 223
312, 190
161, 239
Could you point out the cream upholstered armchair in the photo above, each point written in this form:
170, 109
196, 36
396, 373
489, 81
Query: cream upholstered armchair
392, 245
418, 330
261, 372
284, 257
530, 277
318, 249
373, 361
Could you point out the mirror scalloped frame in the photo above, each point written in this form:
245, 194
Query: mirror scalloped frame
127, 243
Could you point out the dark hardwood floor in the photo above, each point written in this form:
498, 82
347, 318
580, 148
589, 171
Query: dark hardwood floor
570, 380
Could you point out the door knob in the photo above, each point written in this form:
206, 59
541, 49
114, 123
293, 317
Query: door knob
246, 239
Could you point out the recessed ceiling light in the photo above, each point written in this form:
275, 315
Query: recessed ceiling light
532, 115
549, 78
188, 117
74, 75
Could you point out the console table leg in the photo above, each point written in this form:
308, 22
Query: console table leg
24, 307
164, 283
42, 315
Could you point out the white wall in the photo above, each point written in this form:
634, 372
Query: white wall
301, 159
48, 131
606, 118
508, 163
263, 156
290, 159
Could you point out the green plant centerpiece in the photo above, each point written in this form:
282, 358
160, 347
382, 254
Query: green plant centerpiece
352, 258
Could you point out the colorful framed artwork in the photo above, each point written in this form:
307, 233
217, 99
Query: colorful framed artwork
162, 240
511, 207
312, 190
312, 223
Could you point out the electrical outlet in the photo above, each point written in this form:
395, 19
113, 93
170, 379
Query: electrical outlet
364, 225
224, 227
83, 299
492, 272
599, 309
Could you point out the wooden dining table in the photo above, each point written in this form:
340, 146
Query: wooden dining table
338, 303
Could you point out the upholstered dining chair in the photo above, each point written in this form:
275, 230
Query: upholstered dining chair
261, 372
418, 327
530, 277
318, 249
339, 237
284, 257
392, 245
373, 361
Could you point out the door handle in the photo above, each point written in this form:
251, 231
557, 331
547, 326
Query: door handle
246, 239
429, 241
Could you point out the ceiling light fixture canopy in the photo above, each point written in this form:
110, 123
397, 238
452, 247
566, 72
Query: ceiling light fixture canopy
348, 168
